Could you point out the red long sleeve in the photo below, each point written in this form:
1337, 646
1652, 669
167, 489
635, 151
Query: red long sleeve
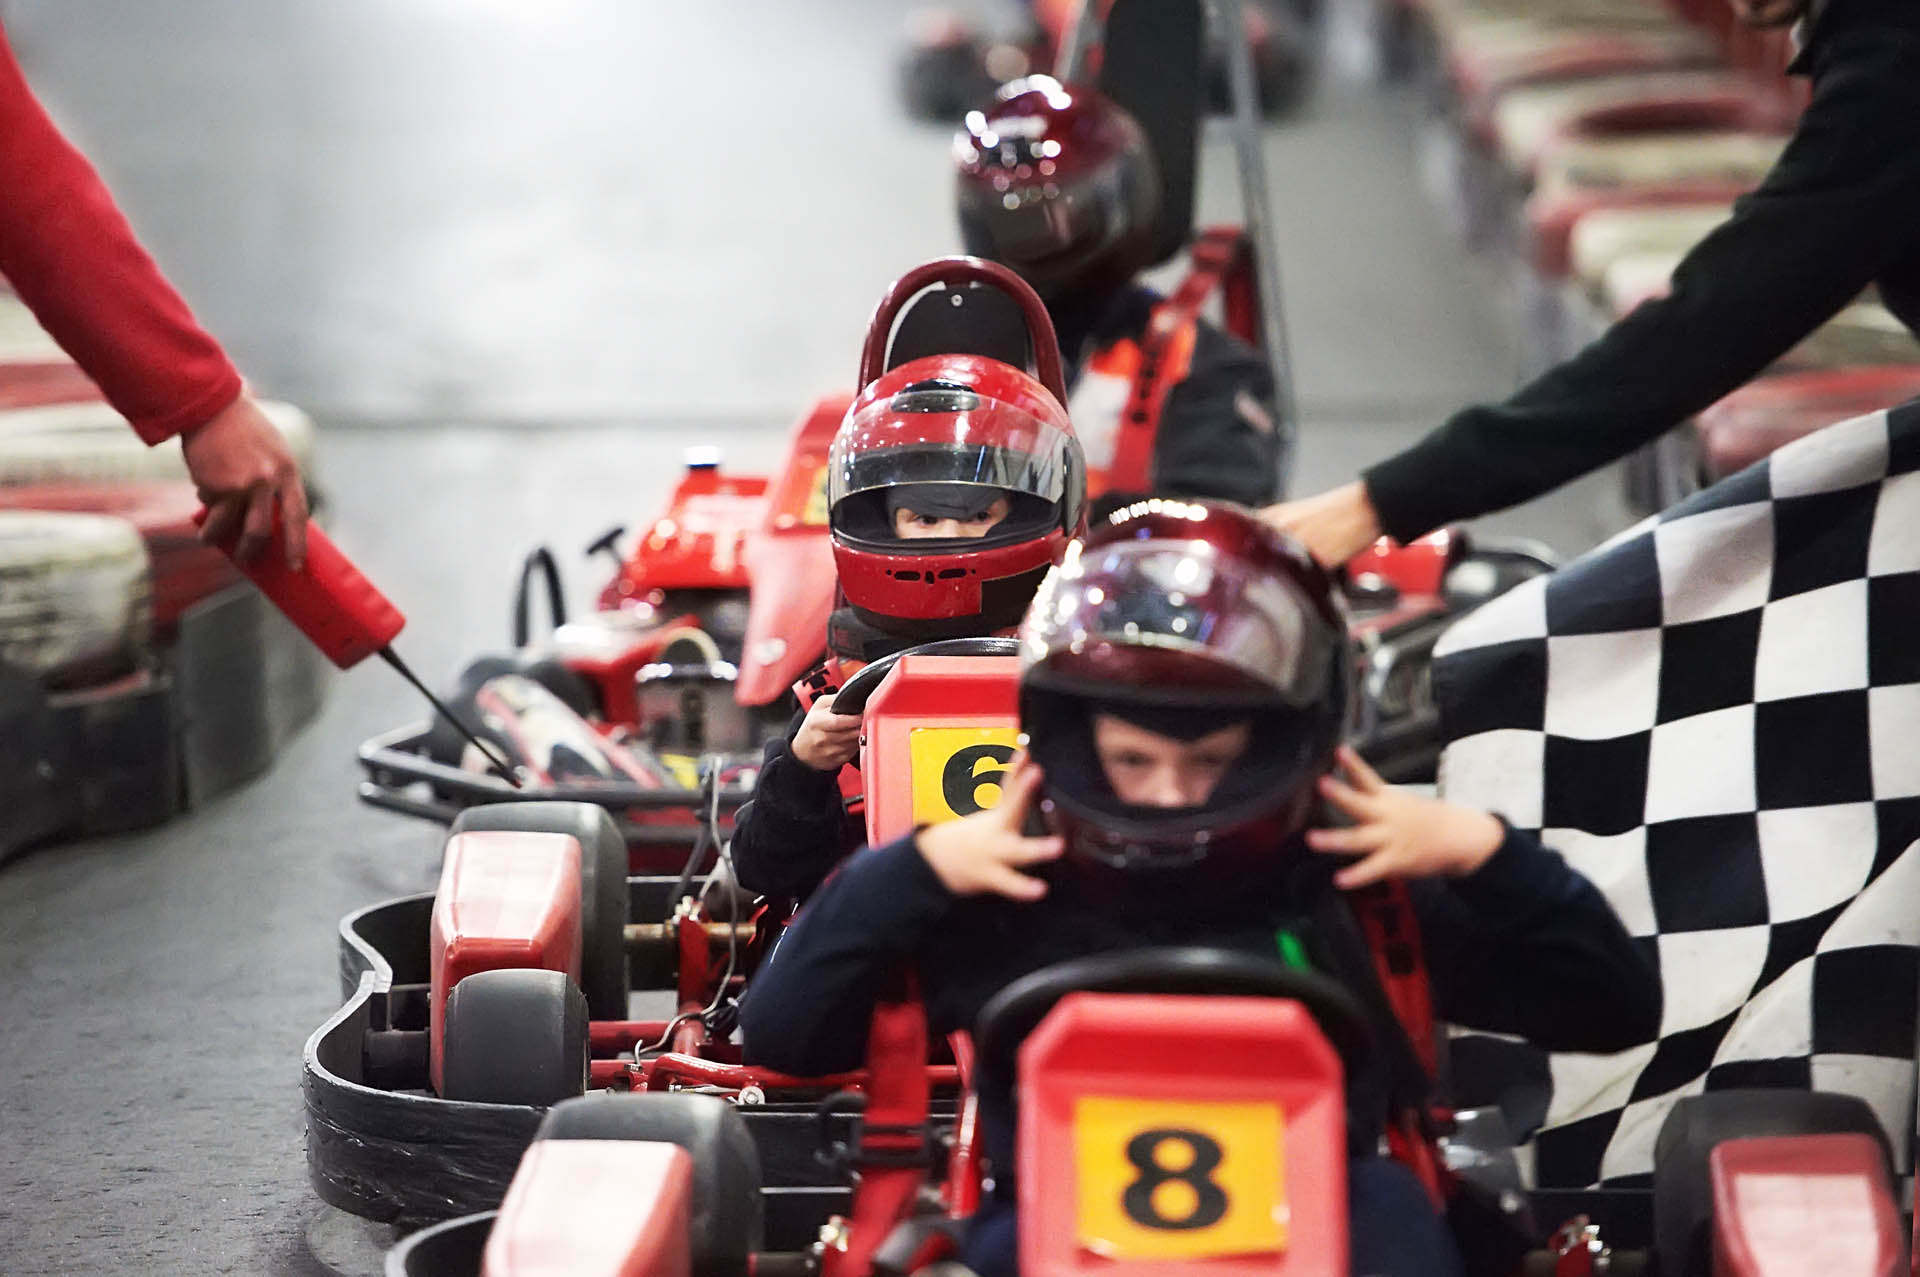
70, 255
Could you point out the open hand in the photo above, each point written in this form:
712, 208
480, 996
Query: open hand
246, 475
1400, 834
826, 741
1334, 526
983, 854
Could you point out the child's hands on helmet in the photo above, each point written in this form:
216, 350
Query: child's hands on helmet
1399, 834
983, 854
826, 741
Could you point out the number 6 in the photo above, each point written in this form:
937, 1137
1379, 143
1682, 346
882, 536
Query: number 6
962, 781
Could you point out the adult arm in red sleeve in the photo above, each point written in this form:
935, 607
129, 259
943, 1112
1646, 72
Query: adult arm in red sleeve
69, 253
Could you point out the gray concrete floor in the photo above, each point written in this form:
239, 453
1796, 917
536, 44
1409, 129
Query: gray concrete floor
514, 257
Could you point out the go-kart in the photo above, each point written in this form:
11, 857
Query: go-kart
655, 705
507, 990
953, 67
1180, 1109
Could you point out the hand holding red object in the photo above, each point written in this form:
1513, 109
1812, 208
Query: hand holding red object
327, 598
250, 483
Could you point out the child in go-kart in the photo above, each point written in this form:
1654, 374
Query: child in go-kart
952, 487
1059, 184
1185, 679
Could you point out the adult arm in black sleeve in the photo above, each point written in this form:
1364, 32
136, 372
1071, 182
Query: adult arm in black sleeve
808, 1007
1837, 210
1527, 945
794, 830
1217, 434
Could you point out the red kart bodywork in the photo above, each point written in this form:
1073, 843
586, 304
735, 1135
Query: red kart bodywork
789, 561
1805, 1204
953, 718
595, 1208
505, 900
1191, 1069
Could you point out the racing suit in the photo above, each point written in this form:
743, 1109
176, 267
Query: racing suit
799, 823
1524, 945
1834, 215
68, 252
1215, 434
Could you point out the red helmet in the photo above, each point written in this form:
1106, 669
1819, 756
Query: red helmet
1185, 617
1059, 184
949, 436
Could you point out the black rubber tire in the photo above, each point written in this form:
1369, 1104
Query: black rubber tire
1682, 1188
727, 1217
515, 1037
603, 887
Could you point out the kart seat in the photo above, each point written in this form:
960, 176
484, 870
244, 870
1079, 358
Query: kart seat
969, 319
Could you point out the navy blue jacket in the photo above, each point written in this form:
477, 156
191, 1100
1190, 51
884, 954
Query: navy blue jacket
1526, 945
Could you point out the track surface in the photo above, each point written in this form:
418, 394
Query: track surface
556, 244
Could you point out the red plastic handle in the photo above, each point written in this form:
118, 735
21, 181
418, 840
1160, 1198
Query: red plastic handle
965, 270
329, 600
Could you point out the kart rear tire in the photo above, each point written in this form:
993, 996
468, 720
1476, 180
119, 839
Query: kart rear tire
1682, 1187
727, 1225
603, 887
75, 596
515, 1037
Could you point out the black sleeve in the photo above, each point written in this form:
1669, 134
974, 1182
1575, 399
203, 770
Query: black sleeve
807, 1009
795, 828
1835, 212
1528, 946
1217, 428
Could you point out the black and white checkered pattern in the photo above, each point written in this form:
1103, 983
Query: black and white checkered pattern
1716, 717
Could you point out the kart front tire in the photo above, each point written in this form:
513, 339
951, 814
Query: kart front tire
515, 1037
1682, 1184
727, 1225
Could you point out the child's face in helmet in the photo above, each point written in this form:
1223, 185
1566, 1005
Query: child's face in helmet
1146, 769
915, 525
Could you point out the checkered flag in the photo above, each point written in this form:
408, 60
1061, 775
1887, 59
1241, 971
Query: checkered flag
1716, 718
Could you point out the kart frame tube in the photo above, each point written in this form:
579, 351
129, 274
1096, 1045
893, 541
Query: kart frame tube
1229, 19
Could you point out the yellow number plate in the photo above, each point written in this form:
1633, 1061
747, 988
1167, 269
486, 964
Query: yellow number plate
814, 514
1176, 1179
957, 770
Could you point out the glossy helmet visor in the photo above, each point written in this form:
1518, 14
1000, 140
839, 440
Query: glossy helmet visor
1185, 618
948, 450
1059, 184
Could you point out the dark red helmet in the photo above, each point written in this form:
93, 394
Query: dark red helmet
950, 436
1186, 617
1059, 184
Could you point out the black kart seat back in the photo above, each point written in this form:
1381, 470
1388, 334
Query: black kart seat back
1152, 64
961, 319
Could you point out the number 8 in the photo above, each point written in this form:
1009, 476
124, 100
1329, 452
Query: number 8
1209, 1199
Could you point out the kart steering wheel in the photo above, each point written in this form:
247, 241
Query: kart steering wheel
1017, 1010
852, 697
